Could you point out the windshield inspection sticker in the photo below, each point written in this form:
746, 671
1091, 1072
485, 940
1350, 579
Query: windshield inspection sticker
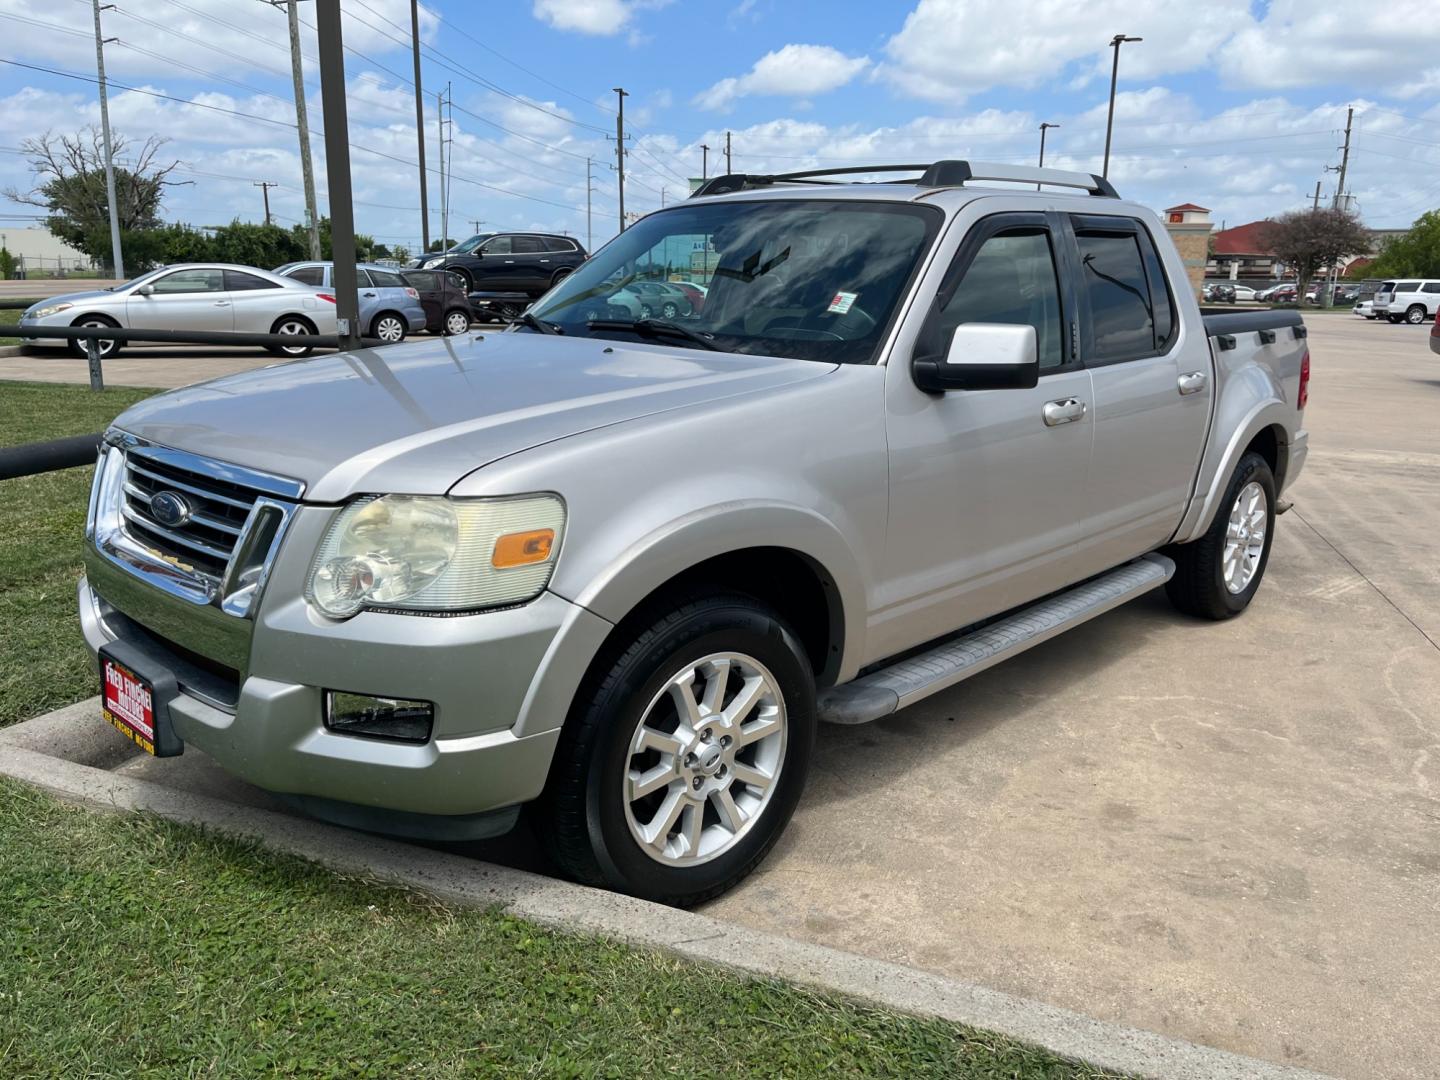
842, 302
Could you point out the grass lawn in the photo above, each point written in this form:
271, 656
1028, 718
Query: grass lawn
132, 946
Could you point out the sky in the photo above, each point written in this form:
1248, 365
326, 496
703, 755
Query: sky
1238, 106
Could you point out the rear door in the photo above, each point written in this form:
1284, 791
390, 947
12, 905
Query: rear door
1153, 388
531, 267
189, 299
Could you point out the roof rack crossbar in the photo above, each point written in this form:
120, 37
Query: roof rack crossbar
951, 173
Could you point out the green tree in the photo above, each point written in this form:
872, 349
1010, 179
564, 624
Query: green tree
69, 173
7, 264
441, 245
265, 246
1416, 254
400, 253
1310, 240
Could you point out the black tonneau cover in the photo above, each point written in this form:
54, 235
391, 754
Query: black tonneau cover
1241, 322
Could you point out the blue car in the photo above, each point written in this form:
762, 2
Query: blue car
389, 308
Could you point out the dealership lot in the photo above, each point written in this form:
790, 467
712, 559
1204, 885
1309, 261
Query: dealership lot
1220, 832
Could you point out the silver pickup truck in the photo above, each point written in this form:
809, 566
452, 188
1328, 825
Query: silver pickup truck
616, 570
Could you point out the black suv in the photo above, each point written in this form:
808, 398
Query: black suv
509, 262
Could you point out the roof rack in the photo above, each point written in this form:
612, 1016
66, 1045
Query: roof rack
936, 174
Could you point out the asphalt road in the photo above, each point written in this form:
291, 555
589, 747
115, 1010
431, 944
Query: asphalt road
1221, 832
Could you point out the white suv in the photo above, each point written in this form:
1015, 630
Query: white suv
1415, 301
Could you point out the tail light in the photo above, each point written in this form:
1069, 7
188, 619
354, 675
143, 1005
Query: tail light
1304, 379
1435, 330
412, 294
326, 296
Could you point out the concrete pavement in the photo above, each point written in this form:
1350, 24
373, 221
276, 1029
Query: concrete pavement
161, 366
1224, 833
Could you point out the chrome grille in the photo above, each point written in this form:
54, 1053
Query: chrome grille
218, 510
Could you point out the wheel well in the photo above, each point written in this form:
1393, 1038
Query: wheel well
94, 315
796, 586
381, 314
1267, 443
297, 317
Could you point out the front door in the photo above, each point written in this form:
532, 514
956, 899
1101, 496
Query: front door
987, 487
1153, 387
495, 269
190, 299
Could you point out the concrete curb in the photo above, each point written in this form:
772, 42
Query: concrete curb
10, 350
28, 753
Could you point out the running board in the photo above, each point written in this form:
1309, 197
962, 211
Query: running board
882, 692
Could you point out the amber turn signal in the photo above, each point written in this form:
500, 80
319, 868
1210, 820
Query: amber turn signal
522, 548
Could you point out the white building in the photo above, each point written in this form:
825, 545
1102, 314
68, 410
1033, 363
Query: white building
37, 249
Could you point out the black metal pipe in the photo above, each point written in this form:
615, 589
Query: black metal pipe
42, 457
177, 337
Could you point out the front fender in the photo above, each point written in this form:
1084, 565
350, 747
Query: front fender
632, 573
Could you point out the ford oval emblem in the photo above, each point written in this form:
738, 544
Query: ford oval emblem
170, 509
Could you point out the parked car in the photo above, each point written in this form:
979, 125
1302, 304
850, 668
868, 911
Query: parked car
1243, 292
1414, 300
509, 262
1435, 336
447, 306
389, 308
694, 292
1218, 292
207, 297
622, 571
1365, 309
1281, 294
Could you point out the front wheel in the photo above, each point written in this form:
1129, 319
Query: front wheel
292, 326
1217, 575
107, 349
1415, 314
670, 309
683, 761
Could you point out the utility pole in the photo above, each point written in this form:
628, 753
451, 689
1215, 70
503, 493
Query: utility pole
1043, 128
1316, 204
727, 153
704, 162
477, 222
1344, 162
589, 187
440, 99
302, 124
265, 186
115, 252
662, 194
620, 150
337, 168
420, 126
1115, 43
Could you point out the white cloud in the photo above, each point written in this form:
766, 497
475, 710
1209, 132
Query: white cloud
792, 71
602, 18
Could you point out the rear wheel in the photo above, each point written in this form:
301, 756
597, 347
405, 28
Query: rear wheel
684, 759
95, 322
388, 327
463, 278
292, 325
456, 322
670, 309
1217, 575
1415, 314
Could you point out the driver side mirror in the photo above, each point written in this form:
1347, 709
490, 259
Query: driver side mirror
146, 290
983, 356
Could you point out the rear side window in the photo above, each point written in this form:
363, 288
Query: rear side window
386, 280
236, 281
310, 275
1407, 286
556, 243
526, 245
424, 280
1431, 287
1125, 320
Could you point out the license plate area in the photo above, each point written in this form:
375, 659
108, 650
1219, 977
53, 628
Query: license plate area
135, 699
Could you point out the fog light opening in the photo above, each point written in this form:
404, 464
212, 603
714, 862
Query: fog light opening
396, 719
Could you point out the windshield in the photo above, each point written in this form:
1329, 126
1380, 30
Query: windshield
467, 246
137, 280
813, 279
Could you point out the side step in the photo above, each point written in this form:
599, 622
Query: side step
880, 693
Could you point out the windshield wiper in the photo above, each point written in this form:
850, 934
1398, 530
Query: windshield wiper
540, 325
655, 328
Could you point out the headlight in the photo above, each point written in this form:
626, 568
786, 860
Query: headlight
431, 553
48, 310
430, 264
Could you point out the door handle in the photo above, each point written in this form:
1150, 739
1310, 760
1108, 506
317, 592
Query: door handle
222, 303
1192, 382
369, 294
1063, 411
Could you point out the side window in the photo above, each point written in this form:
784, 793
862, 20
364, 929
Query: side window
236, 281
191, 281
1011, 279
310, 275
386, 280
499, 246
362, 278
1431, 287
1406, 286
1164, 305
1122, 316
526, 245
424, 280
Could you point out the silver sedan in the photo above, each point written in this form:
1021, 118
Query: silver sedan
205, 297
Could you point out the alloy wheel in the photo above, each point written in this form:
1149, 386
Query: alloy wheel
704, 759
389, 329
293, 328
457, 322
1245, 537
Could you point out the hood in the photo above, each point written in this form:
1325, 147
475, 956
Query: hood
74, 298
417, 417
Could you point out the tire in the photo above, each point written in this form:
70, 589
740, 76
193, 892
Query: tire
1415, 314
389, 328
1201, 586
1392, 318
108, 349
467, 280
559, 276
669, 310
645, 312
291, 324
456, 322
595, 831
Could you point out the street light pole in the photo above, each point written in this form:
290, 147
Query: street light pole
1115, 43
1041, 164
115, 252
704, 162
420, 128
